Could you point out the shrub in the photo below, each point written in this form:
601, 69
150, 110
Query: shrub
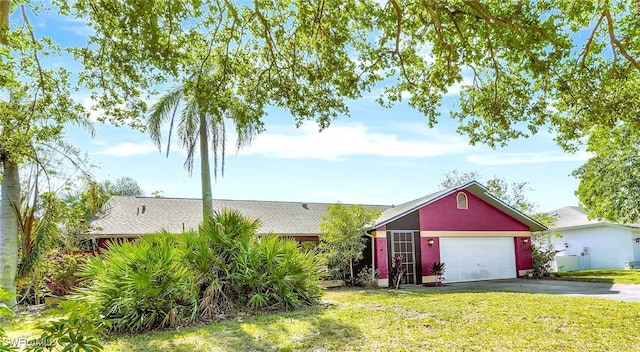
341, 238
62, 272
164, 279
248, 270
543, 256
142, 285
276, 273
5, 312
437, 269
367, 277
80, 330
57, 273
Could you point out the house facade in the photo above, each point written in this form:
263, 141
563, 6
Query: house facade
583, 244
476, 235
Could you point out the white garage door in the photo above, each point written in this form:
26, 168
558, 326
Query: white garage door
479, 258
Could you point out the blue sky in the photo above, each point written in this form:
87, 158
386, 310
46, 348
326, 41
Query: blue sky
377, 156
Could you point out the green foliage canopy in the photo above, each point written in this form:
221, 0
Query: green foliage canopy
610, 180
569, 66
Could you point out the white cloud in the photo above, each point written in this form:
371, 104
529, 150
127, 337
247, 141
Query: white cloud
350, 140
90, 106
128, 149
527, 158
467, 81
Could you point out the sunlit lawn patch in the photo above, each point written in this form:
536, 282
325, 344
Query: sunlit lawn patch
420, 319
619, 276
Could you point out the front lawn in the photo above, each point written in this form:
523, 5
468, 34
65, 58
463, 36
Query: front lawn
616, 276
410, 320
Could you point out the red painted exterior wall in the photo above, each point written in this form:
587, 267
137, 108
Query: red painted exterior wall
429, 254
380, 247
524, 256
444, 215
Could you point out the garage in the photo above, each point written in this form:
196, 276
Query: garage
478, 258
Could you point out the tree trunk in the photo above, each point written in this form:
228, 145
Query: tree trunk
9, 205
351, 269
205, 172
5, 9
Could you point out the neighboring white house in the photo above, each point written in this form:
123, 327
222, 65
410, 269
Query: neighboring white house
584, 244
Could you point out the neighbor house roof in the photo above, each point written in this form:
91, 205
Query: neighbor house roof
573, 216
124, 216
392, 214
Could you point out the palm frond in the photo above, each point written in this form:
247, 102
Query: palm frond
188, 128
165, 108
218, 141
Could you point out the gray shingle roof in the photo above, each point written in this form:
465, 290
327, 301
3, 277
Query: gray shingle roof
573, 216
132, 216
124, 215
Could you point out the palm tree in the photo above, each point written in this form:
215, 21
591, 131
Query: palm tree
201, 120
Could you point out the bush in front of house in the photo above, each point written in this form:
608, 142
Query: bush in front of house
165, 280
141, 285
55, 274
276, 273
79, 329
367, 277
62, 271
235, 268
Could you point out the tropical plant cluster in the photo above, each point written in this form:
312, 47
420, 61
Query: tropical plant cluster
56, 274
397, 272
168, 280
5, 313
79, 329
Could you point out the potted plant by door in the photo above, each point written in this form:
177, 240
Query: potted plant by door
437, 269
397, 272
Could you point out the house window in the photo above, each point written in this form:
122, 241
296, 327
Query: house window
462, 201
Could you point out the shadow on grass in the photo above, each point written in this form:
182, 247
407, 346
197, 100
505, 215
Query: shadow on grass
307, 329
603, 289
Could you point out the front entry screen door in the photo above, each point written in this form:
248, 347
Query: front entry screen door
402, 244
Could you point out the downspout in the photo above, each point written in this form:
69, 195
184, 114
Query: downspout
373, 257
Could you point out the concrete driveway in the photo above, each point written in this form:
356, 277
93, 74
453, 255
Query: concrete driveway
619, 292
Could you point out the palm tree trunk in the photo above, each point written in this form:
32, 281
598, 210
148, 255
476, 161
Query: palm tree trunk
205, 172
9, 206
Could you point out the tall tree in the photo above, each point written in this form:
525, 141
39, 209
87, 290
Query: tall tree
123, 186
569, 66
202, 120
35, 104
228, 61
610, 180
342, 236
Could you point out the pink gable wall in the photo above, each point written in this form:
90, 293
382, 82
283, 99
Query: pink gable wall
444, 215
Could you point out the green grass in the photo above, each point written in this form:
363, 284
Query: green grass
409, 320
618, 276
